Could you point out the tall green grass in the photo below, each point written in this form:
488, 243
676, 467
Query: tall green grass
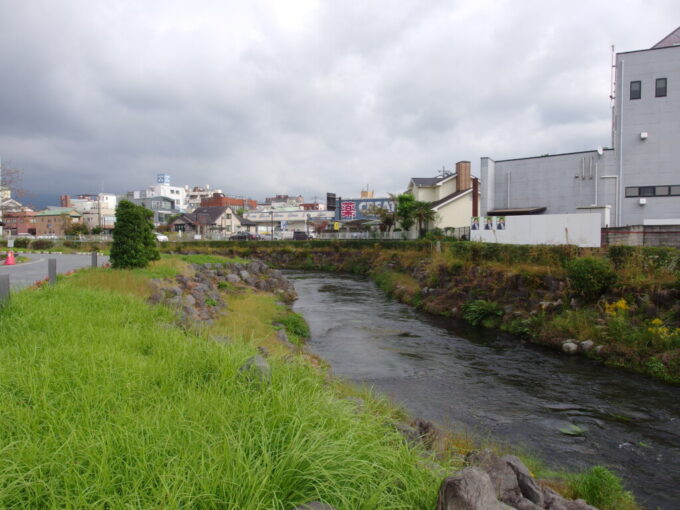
105, 404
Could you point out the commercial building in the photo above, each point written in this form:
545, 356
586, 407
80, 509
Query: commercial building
635, 182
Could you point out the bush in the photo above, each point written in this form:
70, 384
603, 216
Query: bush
590, 277
602, 488
21, 242
134, 244
295, 325
481, 312
42, 244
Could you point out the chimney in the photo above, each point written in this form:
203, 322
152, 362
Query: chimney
463, 173
475, 197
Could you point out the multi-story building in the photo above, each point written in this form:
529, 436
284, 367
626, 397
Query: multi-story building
98, 211
54, 221
636, 182
218, 199
162, 188
197, 194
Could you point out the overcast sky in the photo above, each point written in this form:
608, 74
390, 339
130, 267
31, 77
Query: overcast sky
303, 97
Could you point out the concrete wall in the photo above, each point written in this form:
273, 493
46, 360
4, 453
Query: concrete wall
652, 161
578, 229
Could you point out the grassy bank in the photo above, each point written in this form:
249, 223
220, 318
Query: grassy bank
106, 404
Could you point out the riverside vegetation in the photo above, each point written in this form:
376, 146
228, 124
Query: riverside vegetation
619, 305
109, 401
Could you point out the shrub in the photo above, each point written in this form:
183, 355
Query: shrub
481, 312
590, 277
602, 488
295, 325
42, 244
21, 242
134, 244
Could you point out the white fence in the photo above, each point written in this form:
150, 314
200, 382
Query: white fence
578, 229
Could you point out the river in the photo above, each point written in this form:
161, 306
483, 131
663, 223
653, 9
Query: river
498, 387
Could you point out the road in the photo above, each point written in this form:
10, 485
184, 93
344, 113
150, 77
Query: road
27, 273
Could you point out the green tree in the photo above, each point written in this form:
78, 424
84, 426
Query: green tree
404, 210
77, 229
423, 214
134, 244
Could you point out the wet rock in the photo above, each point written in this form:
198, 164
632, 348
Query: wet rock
586, 346
257, 369
314, 505
470, 489
570, 347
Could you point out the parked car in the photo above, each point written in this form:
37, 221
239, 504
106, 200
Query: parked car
161, 238
300, 236
244, 236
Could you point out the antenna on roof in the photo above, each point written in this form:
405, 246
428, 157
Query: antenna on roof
444, 172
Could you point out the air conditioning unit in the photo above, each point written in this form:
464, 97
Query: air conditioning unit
643, 201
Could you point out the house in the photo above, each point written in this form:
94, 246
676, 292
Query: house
635, 182
450, 194
98, 210
54, 221
19, 221
212, 223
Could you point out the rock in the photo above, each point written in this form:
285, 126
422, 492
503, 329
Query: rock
470, 489
283, 337
232, 278
256, 368
570, 347
586, 346
503, 477
189, 300
173, 291
525, 504
263, 350
598, 349
578, 504
245, 275
314, 505
528, 486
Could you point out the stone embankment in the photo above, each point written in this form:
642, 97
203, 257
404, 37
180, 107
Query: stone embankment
199, 297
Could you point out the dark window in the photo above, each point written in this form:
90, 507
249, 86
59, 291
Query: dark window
635, 89
661, 87
632, 192
646, 191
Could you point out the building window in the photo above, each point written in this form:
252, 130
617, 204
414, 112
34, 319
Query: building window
646, 191
661, 84
675, 190
632, 192
652, 191
635, 89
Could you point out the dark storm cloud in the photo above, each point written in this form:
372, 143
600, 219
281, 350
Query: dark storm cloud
302, 97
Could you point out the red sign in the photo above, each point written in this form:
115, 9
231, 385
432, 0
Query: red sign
348, 210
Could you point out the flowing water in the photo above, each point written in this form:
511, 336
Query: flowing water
488, 383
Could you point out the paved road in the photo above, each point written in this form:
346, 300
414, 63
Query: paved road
27, 273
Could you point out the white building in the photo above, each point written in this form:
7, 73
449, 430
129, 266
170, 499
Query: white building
162, 188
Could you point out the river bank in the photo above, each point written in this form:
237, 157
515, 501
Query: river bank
630, 320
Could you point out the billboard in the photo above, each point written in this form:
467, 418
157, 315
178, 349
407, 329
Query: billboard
362, 208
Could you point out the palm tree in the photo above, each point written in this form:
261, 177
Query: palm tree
423, 214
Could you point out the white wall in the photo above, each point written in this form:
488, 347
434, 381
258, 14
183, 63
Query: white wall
579, 229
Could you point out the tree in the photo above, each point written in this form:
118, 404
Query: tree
76, 229
10, 178
134, 243
404, 210
423, 214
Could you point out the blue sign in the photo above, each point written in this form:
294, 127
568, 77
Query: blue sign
362, 208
